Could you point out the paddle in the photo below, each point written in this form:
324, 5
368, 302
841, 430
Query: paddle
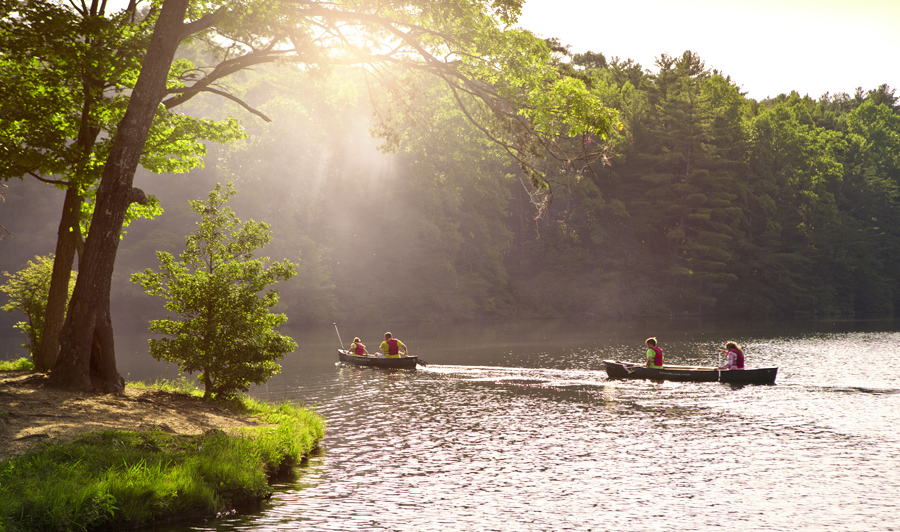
339, 335
627, 366
419, 361
719, 364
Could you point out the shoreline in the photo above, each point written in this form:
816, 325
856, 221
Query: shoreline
172, 457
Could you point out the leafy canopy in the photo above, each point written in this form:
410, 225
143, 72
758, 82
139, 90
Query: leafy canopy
503, 78
66, 75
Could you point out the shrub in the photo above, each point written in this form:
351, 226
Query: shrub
29, 290
21, 364
226, 332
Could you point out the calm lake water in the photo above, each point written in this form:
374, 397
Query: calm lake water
515, 427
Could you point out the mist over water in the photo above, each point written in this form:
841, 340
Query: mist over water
514, 426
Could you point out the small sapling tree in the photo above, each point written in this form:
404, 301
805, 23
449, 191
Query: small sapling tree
28, 290
226, 332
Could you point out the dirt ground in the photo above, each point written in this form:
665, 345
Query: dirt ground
32, 412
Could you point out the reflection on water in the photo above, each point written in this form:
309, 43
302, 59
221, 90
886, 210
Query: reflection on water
516, 427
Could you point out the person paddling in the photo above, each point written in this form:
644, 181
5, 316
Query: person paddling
654, 354
392, 346
735, 356
357, 348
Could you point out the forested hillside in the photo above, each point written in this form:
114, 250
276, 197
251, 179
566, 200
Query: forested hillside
704, 202
714, 203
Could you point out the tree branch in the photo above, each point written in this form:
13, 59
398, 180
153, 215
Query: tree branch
220, 93
222, 70
203, 23
48, 181
136, 195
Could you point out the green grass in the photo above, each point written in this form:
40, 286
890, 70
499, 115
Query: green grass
23, 363
181, 385
121, 478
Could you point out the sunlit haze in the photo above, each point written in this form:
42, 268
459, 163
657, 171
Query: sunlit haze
768, 47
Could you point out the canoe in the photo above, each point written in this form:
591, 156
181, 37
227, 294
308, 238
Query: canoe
377, 362
627, 370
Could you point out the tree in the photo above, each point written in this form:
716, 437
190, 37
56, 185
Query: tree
870, 205
785, 264
28, 290
65, 74
683, 161
501, 78
53, 86
226, 332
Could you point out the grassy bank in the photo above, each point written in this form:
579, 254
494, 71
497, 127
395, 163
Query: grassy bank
115, 479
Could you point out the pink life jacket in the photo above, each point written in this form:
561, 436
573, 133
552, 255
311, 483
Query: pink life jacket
738, 359
658, 357
393, 348
360, 349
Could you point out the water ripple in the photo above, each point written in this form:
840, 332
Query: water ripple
552, 444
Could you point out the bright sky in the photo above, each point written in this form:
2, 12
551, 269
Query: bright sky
768, 47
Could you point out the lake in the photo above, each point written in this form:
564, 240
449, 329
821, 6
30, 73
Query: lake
514, 426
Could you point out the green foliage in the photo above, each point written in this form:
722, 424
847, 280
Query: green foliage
28, 291
21, 364
715, 203
709, 203
66, 76
118, 479
702, 202
226, 331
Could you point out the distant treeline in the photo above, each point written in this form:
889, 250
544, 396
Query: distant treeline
705, 202
717, 204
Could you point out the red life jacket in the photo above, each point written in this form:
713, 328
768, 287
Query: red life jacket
738, 359
360, 349
658, 357
393, 348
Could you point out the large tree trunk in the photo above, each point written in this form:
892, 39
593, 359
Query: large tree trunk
66, 245
87, 358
